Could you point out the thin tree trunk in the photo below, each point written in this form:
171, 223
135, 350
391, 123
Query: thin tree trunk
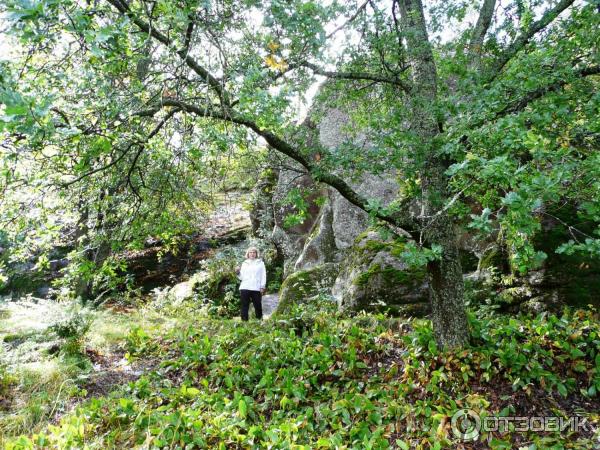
445, 275
82, 287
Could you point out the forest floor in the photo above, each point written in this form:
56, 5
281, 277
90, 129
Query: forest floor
51, 369
51, 375
55, 355
138, 378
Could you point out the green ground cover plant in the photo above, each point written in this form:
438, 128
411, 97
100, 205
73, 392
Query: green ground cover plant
314, 378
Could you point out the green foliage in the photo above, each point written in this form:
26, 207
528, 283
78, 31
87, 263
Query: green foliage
417, 257
7, 381
316, 379
3, 276
304, 285
108, 276
119, 121
220, 290
138, 342
536, 159
548, 351
96, 147
275, 279
43, 376
591, 246
75, 326
297, 199
73, 331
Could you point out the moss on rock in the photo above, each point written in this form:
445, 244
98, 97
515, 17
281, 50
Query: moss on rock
304, 284
373, 277
390, 275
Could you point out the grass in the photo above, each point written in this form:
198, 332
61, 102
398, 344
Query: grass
316, 379
43, 375
110, 327
41, 390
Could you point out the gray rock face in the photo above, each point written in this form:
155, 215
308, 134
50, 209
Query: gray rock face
262, 215
339, 222
185, 290
327, 236
320, 246
290, 239
269, 304
348, 220
373, 278
333, 129
371, 275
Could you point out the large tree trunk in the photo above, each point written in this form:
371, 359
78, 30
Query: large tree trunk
446, 290
445, 275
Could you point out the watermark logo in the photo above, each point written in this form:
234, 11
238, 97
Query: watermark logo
467, 424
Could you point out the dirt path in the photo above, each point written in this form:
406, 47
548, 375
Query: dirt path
112, 370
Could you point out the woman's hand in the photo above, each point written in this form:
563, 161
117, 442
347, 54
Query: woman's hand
262, 291
237, 269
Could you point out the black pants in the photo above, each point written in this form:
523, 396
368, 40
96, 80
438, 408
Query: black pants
256, 301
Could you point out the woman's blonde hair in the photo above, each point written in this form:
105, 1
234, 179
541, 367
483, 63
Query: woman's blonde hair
250, 249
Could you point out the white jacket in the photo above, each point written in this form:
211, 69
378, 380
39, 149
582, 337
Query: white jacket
253, 275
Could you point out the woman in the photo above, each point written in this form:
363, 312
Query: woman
254, 278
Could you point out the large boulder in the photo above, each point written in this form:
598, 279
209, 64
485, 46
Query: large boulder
349, 221
303, 285
338, 222
573, 279
561, 280
373, 278
328, 233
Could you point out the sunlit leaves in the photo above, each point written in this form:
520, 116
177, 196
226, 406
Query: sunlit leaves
275, 64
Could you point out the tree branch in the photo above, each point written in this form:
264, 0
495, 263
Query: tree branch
350, 20
524, 38
153, 133
123, 8
536, 94
524, 101
141, 148
486, 13
354, 75
62, 115
397, 219
188, 34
